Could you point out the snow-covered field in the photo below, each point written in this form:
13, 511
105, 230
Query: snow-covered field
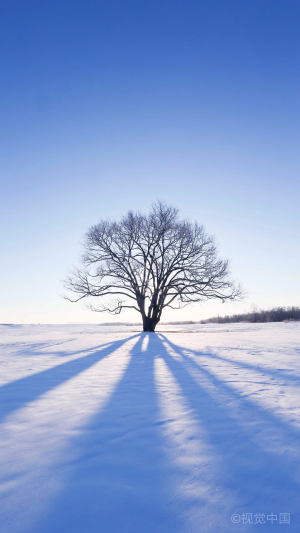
109, 430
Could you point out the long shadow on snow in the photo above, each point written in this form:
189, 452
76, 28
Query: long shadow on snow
16, 394
260, 478
118, 481
277, 373
267, 419
38, 348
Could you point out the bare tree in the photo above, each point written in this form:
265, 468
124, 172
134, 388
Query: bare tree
150, 262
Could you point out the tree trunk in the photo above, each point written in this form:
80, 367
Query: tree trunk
149, 323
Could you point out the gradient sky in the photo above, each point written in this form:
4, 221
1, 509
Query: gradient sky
107, 106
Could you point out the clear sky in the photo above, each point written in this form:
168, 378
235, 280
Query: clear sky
106, 106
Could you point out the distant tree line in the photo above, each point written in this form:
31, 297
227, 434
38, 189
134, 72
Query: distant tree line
277, 314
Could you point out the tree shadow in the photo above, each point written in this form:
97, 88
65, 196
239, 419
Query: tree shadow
118, 475
266, 417
118, 481
278, 373
18, 393
34, 349
260, 460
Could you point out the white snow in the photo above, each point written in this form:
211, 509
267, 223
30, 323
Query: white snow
106, 429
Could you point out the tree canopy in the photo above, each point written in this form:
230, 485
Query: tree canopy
148, 263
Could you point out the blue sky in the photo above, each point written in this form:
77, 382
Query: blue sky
107, 106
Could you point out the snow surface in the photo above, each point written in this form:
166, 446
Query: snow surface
105, 429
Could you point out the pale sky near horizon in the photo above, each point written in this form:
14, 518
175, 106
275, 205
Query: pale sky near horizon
107, 106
